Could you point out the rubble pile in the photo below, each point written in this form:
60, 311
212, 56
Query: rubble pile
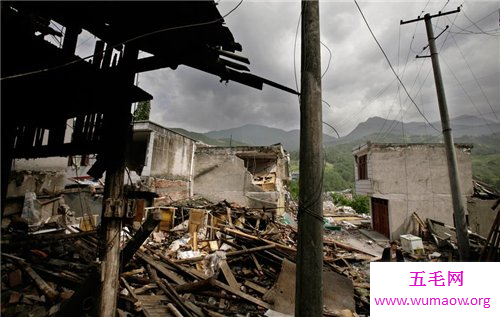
199, 259
41, 271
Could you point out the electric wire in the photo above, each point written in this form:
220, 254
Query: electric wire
402, 74
329, 59
324, 72
473, 23
475, 78
392, 68
492, 32
119, 44
467, 94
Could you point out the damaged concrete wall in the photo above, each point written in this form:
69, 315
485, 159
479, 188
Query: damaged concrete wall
252, 176
50, 174
219, 174
39, 182
481, 216
414, 178
162, 160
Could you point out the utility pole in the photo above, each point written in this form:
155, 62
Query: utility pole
456, 192
309, 285
117, 128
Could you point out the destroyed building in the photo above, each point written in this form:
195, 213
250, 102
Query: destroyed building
253, 176
161, 161
401, 179
480, 207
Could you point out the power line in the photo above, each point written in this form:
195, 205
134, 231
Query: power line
473, 23
121, 43
322, 75
447, 1
329, 59
475, 78
392, 68
467, 94
466, 31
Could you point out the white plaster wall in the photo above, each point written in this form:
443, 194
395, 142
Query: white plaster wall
416, 169
172, 156
415, 179
437, 207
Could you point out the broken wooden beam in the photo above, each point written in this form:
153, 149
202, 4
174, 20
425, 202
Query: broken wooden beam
189, 271
174, 310
193, 287
140, 236
255, 287
169, 292
240, 294
344, 246
234, 232
163, 270
228, 274
44, 287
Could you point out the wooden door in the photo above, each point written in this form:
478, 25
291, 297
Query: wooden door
380, 216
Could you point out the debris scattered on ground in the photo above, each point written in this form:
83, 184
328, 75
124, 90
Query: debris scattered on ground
195, 258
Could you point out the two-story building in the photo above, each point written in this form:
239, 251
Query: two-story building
401, 179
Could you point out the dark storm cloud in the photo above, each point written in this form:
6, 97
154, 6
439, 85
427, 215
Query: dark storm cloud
359, 82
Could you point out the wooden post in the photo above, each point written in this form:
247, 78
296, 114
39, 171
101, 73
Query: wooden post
309, 287
117, 135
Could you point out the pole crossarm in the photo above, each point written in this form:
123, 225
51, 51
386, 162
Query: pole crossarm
430, 17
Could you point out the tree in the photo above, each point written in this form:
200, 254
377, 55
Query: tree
142, 110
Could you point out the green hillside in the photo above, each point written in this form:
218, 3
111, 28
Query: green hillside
486, 168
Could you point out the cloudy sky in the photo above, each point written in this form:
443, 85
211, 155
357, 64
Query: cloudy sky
358, 83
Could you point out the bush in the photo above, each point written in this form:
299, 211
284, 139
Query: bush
359, 203
294, 190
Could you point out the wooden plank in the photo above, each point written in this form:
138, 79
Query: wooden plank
228, 274
169, 291
42, 285
174, 310
249, 236
254, 259
240, 294
190, 271
171, 275
255, 287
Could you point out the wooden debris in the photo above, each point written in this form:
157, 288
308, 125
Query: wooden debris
245, 246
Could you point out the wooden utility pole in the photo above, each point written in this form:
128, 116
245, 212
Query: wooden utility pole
456, 192
117, 127
309, 285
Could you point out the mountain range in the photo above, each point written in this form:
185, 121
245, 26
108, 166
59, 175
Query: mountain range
375, 129
483, 134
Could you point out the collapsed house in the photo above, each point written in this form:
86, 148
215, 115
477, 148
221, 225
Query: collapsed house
403, 179
481, 208
253, 176
161, 161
